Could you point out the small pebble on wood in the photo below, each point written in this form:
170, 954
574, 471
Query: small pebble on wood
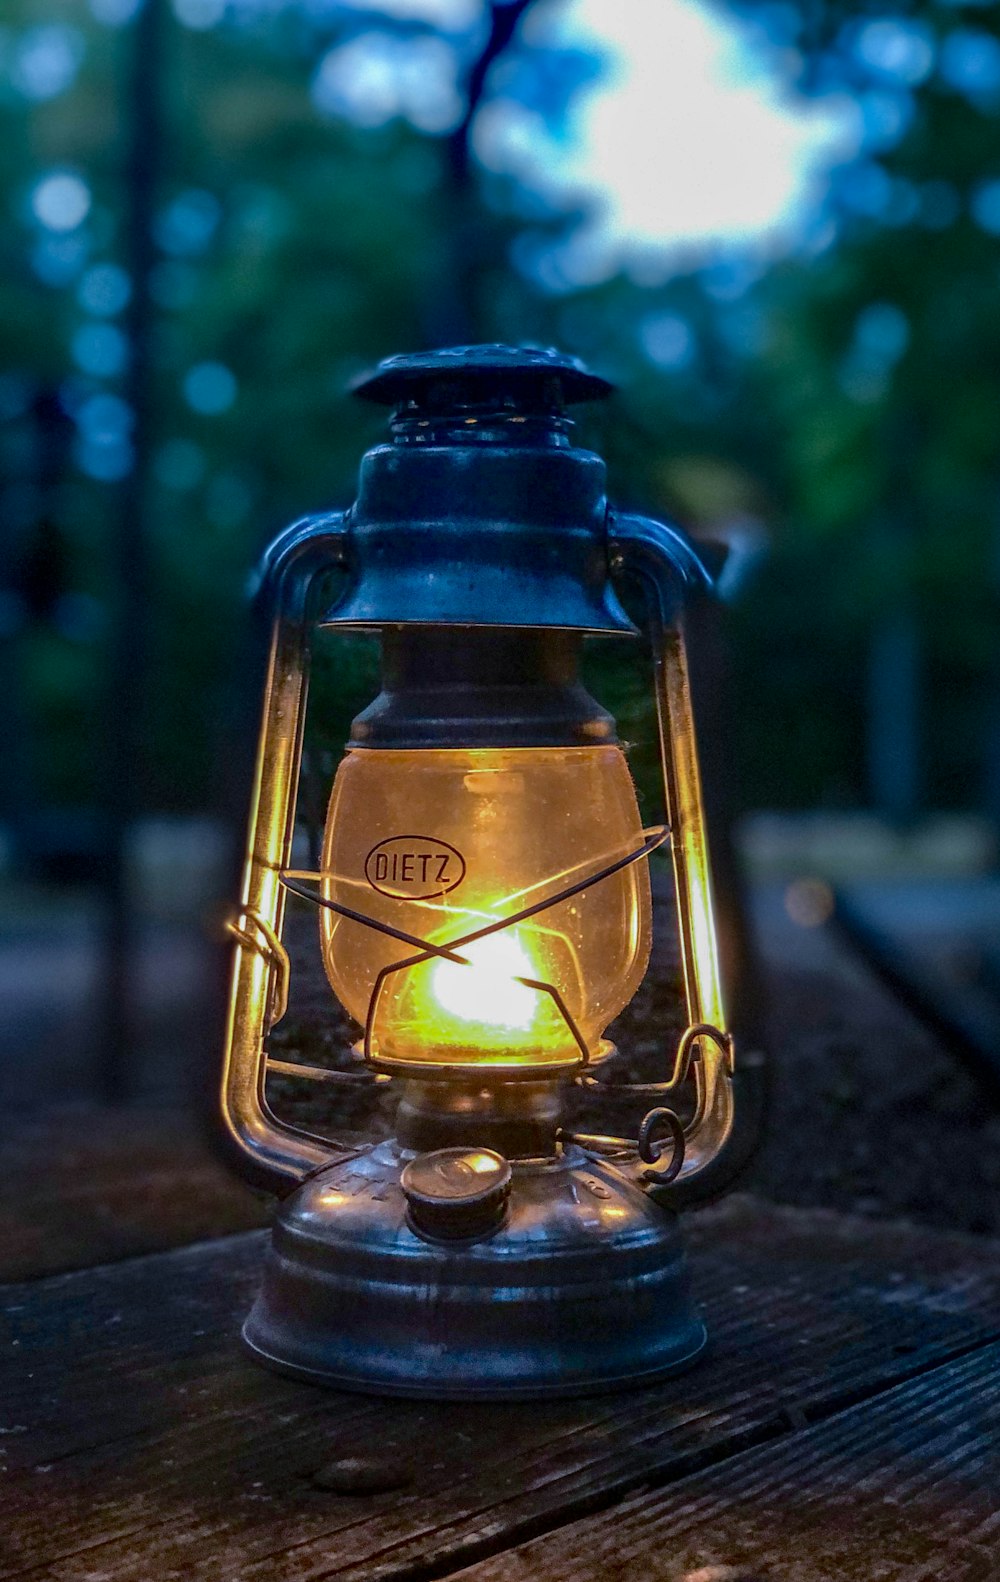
362, 1475
722, 1574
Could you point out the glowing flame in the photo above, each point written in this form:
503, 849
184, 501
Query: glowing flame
486, 991
480, 1008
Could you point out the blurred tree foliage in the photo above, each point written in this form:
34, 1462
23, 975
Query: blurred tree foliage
882, 361
843, 402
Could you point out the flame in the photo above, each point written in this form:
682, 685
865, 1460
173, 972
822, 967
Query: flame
487, 991
481, 1008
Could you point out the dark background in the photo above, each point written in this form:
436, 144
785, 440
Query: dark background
201, 249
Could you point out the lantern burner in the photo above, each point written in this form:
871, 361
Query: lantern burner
482, 1176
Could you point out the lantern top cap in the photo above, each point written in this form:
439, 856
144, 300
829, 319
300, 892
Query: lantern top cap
529, 377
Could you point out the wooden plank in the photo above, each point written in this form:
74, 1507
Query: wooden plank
86, 1186
904, 1488
141, 1443
865, 1104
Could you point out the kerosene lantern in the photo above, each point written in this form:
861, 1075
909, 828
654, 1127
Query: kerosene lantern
484, 913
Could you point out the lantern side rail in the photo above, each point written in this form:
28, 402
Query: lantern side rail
253, 932
269, 1152
665, 565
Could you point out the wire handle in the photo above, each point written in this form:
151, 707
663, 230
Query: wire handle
271, 1153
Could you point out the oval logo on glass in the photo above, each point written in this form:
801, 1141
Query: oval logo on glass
414, 867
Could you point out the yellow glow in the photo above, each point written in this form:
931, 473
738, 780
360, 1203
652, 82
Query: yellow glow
439, 844
477, 1011
486, 992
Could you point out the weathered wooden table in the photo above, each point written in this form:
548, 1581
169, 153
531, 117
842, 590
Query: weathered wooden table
846, 1425
844, 1428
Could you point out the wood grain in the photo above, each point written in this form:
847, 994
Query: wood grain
903, 1488
86, 1186
141, 1444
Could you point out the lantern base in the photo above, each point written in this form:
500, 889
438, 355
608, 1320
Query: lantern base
582, 1288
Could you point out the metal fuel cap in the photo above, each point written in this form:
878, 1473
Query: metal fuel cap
456, 1194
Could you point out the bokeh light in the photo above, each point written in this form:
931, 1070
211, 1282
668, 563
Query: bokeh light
101, 350
210, 388
61, 201
104, 290
809, 902
46, 60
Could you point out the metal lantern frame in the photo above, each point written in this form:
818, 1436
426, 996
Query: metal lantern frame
481, 489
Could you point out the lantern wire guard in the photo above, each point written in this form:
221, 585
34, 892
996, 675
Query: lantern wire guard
662, 1169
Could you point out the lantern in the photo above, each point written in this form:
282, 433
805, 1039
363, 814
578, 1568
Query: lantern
484, 911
